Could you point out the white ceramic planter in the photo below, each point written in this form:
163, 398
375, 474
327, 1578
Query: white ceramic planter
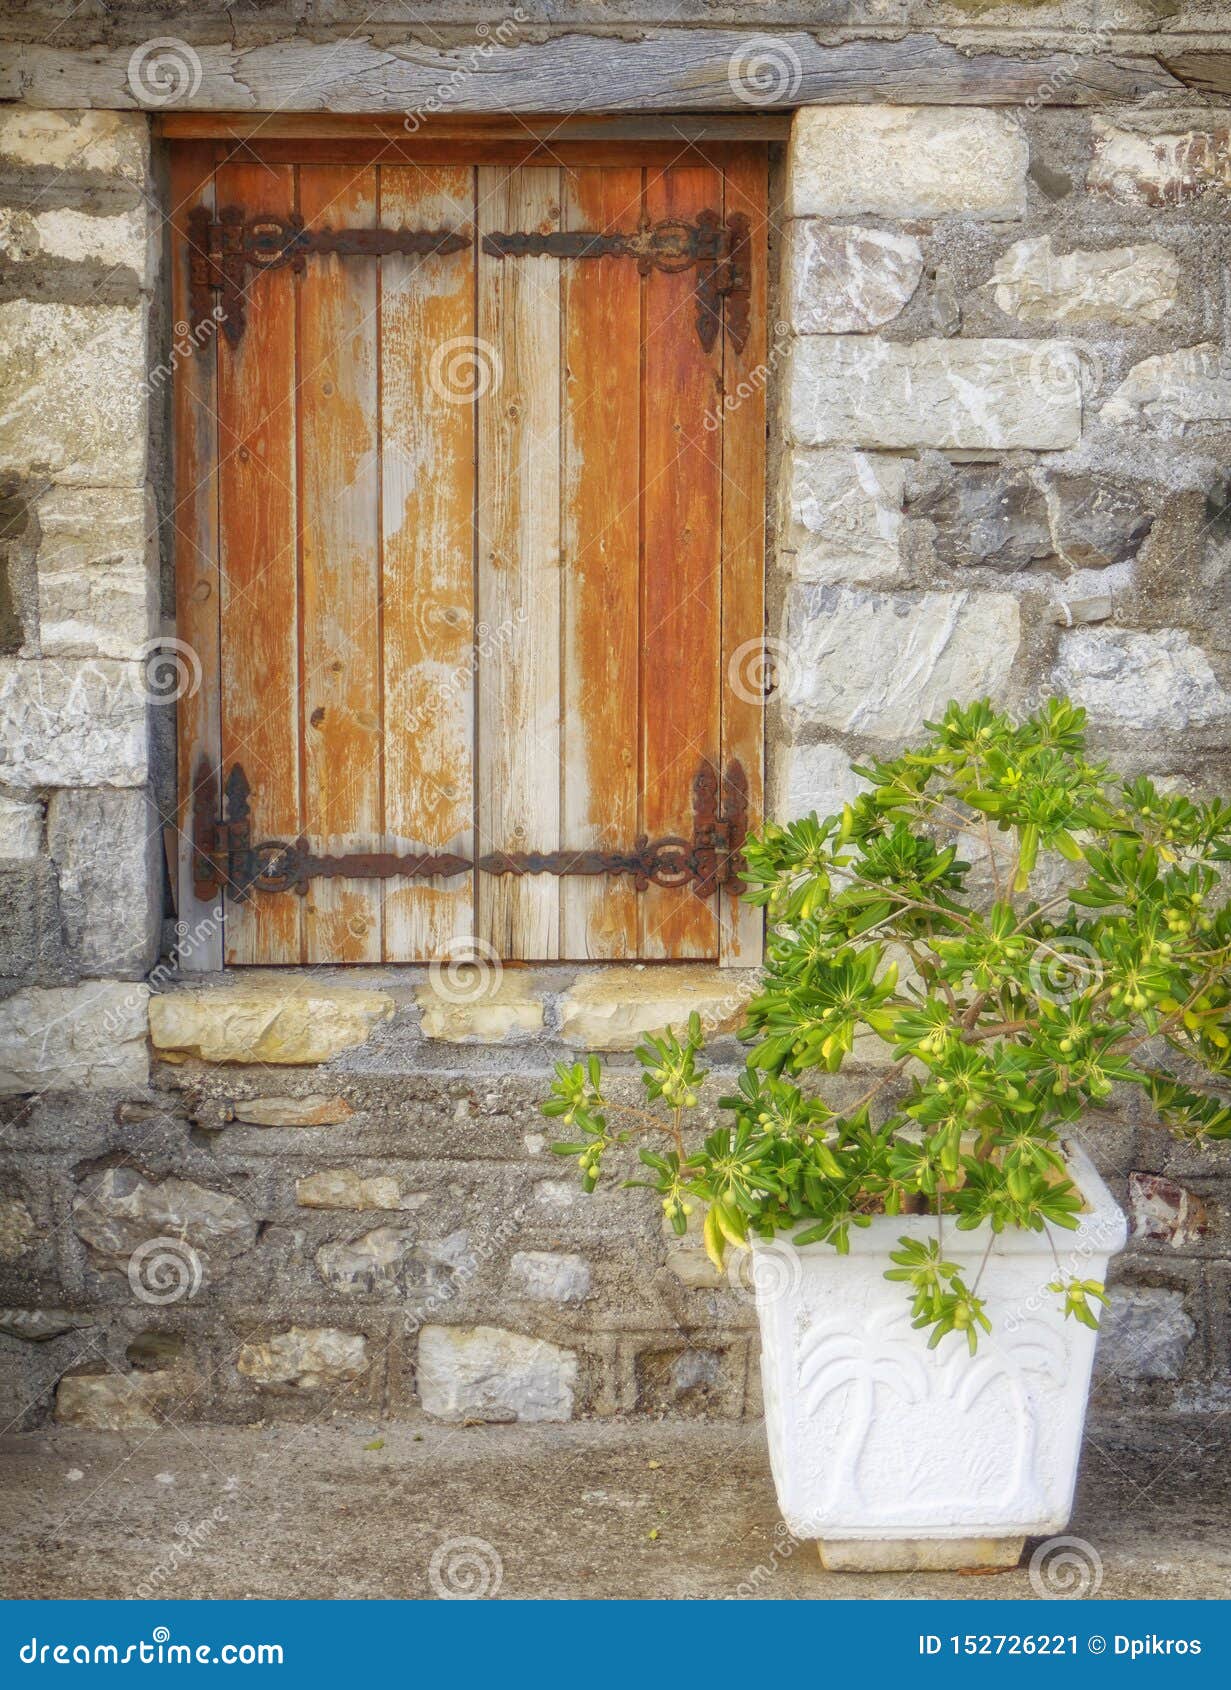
897, 1456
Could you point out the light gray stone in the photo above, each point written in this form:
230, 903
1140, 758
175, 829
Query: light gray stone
74, 1038
813, 777
362, 1266
304, 1358
1128, 285
1166, 167
546, 1277
1144, 1334
845, 515
97, 577
107, 846
482, 1371
881, 664
1158, 680
989, 515
38, 1326
906, 161
1175, 392
17, 1229
120, 242
951, 394
68, 722
21, 828
113, 143
848, 280
119, 1210
73, 381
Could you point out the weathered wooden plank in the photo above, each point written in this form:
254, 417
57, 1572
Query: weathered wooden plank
681, 578
686, 69
339, 489
615, 128
427, 511
742, 428
1208, 71
601, 450
194, 528
257, 515
519, 563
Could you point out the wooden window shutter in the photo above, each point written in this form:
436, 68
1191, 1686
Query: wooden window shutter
469, 533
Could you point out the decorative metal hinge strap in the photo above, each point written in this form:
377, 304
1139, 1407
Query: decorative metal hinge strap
719, 255
222, 253
226, 859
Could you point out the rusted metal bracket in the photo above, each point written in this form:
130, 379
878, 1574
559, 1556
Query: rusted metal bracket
719, 255
225, 858
223, 252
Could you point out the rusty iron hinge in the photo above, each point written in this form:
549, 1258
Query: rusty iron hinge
226, 859
720, 256
221, 253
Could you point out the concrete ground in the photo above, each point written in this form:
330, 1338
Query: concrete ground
605, 1509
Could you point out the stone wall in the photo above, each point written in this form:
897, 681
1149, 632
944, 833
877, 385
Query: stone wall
1004, 417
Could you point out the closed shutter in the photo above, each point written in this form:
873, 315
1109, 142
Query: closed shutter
469, 533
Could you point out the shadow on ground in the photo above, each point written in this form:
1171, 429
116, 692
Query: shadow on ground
351, 1508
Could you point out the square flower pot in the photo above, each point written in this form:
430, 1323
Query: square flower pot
896, 1456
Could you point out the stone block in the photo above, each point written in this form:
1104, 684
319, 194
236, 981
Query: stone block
119, 1213
547, 1277
269, 1023
950, 394
68, 722
1182, 392
1160, 680
74, 1038
17, 1229
614, 1008
985, 515
813, 777
97, 579
882, 664
483, 1372
74, 379
1164, 1212
107, 847
30, 945
906, 161
478, 1004
368, 1265
690, 1382
111, 143
844, 279
21, 828
121, 242
312, 1111
39, 1326
1144, 1334
1164, 168
304, 1358
346, 1188
845, 515
1096, 521
1130, 286
121, 1402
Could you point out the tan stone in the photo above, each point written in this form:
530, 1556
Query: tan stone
1159, 167
97, 591
276, 1024
17, 1229
1179, 392
119, 1402
345, 1188
1125, 285
74, 1038
113, 142
304, 1358
120, 242
73, 379
478, 1005
614, 1008
293, 1111
906, 161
